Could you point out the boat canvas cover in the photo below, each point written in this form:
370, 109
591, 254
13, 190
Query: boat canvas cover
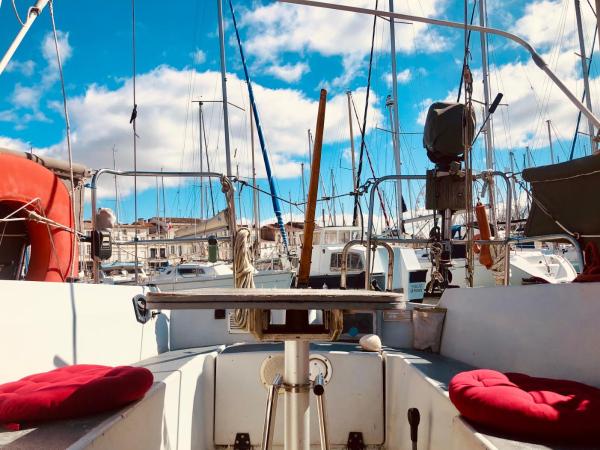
566, 191
443, 132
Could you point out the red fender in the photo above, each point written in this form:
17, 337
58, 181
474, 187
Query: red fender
21, 181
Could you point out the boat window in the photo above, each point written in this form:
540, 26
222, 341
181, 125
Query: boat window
330, 237
354, 261
201, 271
187, 271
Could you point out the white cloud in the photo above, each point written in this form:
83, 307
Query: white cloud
49, 49
288, 72
167, 128
402, 77
51, 74
198, 56
278, 28
548, 22
26, 97
423, 110
25, 68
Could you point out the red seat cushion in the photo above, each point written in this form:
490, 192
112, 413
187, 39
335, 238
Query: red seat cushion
70, 392
528, 407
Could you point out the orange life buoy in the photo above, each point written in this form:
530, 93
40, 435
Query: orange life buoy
52, 249
485, 257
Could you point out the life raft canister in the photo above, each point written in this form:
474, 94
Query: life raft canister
52, 249
485, 256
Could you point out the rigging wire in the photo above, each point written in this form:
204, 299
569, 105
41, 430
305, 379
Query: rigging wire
381, 201
364, 127
68, 130
467, 41
589, 68
17, 12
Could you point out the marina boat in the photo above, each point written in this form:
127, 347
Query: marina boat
203, 275
326, 266
526, 266
122, 273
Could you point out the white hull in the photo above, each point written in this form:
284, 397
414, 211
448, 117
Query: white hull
206, 389
524, 264
263, 279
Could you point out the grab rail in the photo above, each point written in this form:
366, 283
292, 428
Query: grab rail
228, 189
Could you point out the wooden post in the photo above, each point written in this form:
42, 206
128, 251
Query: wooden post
313, 188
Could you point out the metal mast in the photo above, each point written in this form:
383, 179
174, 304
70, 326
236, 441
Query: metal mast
395, 121
224, 87
254, 190
261, 138
489, 142
349, 95
513, 185
201, 160
550, 141
584, 70
114, 151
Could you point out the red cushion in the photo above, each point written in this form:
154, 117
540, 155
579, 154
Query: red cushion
71, 391
528, 407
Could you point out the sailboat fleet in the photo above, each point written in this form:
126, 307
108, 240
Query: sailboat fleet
371, 337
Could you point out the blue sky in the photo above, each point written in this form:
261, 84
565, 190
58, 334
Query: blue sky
292, 52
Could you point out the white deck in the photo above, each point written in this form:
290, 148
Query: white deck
204, 393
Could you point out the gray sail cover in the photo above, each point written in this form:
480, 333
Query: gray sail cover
443, 133
567, 191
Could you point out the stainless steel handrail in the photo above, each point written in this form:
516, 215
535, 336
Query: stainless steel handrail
226, 183
271, 413
319, 391
344, 266
505, 241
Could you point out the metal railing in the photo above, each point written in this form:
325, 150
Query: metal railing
344, 264
226, 183
505, 242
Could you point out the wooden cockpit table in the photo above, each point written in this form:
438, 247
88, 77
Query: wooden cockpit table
296, 332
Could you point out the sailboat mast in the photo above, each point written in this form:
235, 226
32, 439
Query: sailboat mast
114, 151
254, 190
224, 87
550, 142
309, 136
231, 207
513, 185
349, 95
334, 212
488, 133
584, 70
201, 159
261, 137
395, 122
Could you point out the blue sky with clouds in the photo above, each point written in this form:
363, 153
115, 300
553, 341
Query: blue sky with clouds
292, 52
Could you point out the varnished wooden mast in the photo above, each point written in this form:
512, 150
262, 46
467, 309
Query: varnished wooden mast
313, 188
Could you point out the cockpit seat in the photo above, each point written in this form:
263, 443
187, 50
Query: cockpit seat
528, 407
